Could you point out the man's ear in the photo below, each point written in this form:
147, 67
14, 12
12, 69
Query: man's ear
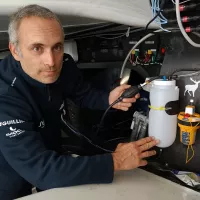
14, 51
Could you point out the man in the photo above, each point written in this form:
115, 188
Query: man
34, 81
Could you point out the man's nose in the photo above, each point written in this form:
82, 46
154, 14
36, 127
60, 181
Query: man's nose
49, 59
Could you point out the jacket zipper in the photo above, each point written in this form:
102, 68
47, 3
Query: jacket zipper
48, 93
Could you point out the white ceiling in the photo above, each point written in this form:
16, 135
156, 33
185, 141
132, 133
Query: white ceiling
77, 12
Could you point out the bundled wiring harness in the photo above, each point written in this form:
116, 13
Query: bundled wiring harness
157, 14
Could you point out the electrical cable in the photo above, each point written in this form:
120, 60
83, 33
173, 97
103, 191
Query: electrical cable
112, 37
119, 138
156, 7
197, 34
114, 127
173, 29
97, 35
187, 30
181, 2
160, 20
104, 115
158, 17
83, 136
154, 18
182, 8
150, 3
172, 75
111, 34
134, 47
178, 16
97, 29
146, 28
185, 19
190, 146
119, 36
101, 27
188, 75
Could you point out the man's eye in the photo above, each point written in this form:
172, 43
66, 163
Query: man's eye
58, 48
36, 49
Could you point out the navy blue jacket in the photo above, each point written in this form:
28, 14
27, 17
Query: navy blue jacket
30, 121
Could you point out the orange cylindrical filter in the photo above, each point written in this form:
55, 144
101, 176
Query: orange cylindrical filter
188, 128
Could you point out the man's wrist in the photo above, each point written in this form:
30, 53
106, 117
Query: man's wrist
115, 162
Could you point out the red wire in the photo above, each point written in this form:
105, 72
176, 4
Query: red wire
147, 58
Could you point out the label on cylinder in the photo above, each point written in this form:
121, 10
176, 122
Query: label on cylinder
185, 136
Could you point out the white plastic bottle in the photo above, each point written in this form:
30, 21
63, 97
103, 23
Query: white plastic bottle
162, 125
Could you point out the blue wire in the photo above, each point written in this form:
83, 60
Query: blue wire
163, 16
157, 8
160, 20
163, 19
165, 29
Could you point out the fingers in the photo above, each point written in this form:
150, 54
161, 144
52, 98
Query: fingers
147, 154
129, 100
144, 141
121, 104
124, 108
124, 87
143, 163
137, 96
148, 145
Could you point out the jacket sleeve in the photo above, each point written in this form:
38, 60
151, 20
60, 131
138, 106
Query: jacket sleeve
79, 90
24, 150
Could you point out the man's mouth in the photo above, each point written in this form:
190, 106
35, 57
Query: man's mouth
49, 73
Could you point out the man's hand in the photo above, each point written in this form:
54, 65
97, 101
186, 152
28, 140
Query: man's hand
131, 155
126, 103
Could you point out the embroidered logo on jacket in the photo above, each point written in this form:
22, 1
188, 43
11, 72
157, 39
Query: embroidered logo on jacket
10, 122
15, 132
42, 124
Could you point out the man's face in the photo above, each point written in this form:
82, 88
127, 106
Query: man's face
41, 47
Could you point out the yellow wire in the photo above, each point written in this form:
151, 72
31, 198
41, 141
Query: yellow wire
188, 148
188, 160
